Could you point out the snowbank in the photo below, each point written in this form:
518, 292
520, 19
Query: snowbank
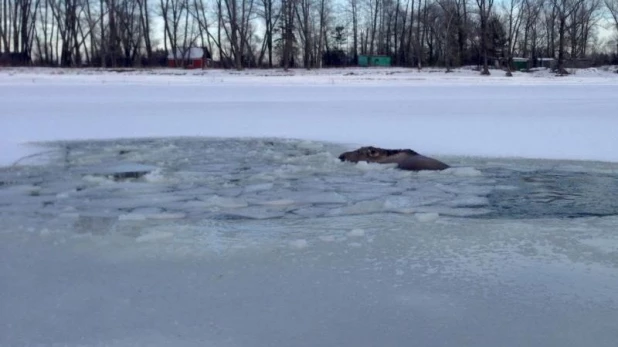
461, 114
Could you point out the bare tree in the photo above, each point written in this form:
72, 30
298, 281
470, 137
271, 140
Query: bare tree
302, 14
374, 8
563, 9
287, 13
270, 14
323, 11
354, 11
144, 15
612, 7
420, 37
449, 8
586, 18
531, 11
255, 33
174, 13
462, 28
231, 7
484, 12
514, 18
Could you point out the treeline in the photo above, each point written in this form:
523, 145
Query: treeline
305, 33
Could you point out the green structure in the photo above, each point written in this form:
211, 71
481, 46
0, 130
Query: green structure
374, 60
520, 63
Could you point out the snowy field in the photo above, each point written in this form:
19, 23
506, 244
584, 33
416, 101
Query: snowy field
208, 208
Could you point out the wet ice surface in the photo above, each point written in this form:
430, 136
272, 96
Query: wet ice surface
262, 242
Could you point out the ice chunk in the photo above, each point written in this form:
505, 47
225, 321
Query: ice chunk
427, 217
311, 212
299, 244
225, 202
255, 212
54, 187
468, 201
453, 212
363, 207
231, 191
505, 187
132, 202
194, 191
25, 189
318, 198
365, 166
131, 217
63, 195
327, 238
118, 171
473, 189
280, 202
356, 233
167, 215
263, 176
151, 213
461, 172
403, 202
154, 236
69, 215
349, 185
97, 179
195, 204
19, 203
361, 196
156, 176
258, 187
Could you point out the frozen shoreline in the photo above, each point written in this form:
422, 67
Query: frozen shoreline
351, 76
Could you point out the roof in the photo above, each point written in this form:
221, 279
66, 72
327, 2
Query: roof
191, 53
375, 55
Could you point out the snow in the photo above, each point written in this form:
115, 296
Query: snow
529, 116
209, 208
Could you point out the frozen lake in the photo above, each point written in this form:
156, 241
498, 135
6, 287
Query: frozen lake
224, 218
238, 242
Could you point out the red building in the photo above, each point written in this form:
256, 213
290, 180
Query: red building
192, 58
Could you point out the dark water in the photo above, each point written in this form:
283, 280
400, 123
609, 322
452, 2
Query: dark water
553, 194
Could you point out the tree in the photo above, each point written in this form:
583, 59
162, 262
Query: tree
612, 7
305, 30
287, 37
484, 13
563, 9
270, 14
448, 13
514, 18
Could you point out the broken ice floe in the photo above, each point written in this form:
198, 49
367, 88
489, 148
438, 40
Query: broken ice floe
261, 180
119, 171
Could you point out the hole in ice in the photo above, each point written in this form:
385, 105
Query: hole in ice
193, 179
